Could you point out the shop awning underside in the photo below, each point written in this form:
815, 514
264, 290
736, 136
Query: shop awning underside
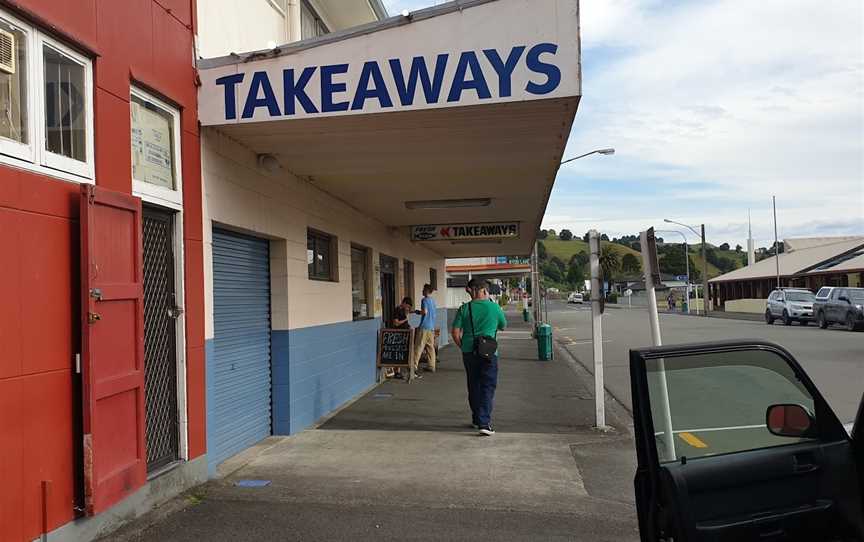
506, 152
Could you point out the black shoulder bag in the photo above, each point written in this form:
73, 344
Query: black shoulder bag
484, 347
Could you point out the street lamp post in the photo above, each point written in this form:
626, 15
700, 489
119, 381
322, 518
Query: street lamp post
598, 151
686, 263
535, 275
705, 296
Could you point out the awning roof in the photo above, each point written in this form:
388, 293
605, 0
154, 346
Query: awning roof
489, 120
796, 261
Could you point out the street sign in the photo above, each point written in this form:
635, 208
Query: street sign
650, 253
681, 278
468, 231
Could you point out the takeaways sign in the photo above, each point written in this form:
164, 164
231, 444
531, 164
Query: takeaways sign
459, 232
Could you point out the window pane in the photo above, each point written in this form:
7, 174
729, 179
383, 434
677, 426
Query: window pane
13, 83
318, 255
65, 109
718, 402
153, 159
310, 254
359, 284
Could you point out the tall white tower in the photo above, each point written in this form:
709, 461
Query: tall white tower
751, 246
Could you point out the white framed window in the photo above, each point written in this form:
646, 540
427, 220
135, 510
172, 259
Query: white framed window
156, 162
46, 103
16, 90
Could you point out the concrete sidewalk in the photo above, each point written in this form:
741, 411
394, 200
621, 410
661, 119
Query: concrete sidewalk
402, 463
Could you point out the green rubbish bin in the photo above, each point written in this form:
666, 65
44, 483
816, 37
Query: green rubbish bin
525, 314
544, 342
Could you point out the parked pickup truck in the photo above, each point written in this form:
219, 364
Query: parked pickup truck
839, 305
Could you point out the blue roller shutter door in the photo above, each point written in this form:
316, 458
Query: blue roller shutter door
239, 415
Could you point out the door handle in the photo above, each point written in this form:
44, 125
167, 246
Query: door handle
802, 464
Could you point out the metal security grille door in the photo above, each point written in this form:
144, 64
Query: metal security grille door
239, 415
160, 339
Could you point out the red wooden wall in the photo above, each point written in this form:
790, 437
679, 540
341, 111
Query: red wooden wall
149, 42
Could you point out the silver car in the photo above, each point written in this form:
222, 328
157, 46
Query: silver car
790, 305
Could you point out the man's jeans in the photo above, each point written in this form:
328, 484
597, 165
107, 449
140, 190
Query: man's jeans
482, 380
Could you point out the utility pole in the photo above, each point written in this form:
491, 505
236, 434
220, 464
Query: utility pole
651, 268
705, 295
597, 331
776, 243
535, 284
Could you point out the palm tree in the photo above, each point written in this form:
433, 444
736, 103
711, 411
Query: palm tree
609, 261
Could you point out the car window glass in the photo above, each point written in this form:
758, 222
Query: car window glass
800, 296
823, 292
856, 296
717, 402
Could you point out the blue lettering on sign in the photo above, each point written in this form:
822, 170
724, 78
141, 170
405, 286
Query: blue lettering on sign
431, 88
373, 72
329, 88
468, 75
468, 59
504, 69
553, 74
230, 83
297, 91
260, 82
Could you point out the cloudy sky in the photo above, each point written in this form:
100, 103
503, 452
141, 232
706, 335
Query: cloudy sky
714, 106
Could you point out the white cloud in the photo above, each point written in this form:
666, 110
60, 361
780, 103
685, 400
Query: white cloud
759, 98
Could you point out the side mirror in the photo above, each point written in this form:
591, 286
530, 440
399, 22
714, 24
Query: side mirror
789, 420
843, 298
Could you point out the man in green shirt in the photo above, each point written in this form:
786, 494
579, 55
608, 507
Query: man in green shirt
479, 317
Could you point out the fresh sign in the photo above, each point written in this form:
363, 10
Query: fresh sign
456, 232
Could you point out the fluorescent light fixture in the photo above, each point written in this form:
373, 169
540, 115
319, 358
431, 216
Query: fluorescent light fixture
448, 203
476, 242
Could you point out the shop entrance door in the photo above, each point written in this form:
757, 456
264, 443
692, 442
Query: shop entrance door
388, 288
160, 339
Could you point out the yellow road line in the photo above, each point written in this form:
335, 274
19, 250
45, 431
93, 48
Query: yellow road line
692, 440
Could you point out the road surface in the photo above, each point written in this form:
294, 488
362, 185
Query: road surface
833, 358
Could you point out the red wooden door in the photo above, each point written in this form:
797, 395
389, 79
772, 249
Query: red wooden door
112, 349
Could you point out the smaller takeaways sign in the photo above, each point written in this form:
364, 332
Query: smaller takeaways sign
456, 232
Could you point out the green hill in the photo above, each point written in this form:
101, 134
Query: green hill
565, 250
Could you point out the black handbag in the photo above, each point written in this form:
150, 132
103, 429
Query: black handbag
484, 347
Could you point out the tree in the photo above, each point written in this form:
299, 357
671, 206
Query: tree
541, 251
565, 235
586, 237
609, 261
557, 262
551, 272
575, 277
581, 259
630, 264
551, 233
724, 246
542, 234
673, 263
604, 237
738, 248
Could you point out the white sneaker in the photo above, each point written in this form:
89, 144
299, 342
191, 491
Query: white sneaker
487, 431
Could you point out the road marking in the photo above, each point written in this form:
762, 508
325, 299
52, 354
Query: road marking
692, 440
588, 341
708, 429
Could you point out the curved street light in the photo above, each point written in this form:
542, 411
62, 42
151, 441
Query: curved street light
598, 151
705, 293
686, 262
